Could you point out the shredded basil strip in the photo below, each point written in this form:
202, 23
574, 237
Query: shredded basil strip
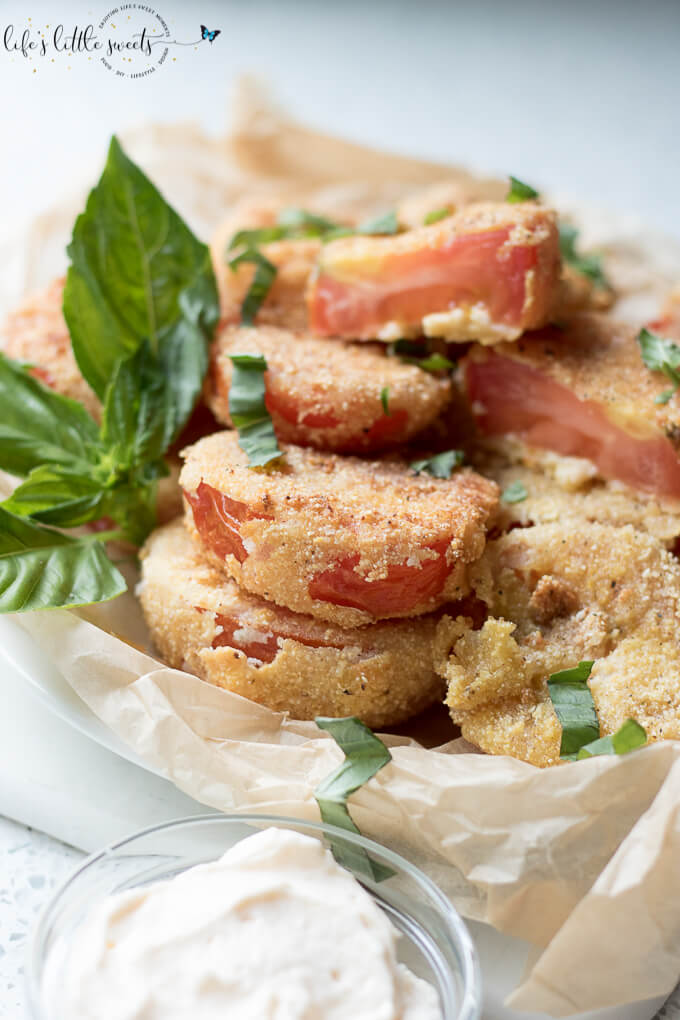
385, 399
516, 492
385, 224
660, 355
412, 352
574, 707
248, 411
265, 274
365, 754
436, 215
588, 264
440, 466
519, 191
628, 737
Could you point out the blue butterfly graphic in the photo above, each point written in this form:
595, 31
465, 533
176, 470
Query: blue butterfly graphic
210, 36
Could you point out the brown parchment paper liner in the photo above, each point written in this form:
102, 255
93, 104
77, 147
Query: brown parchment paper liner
581, 860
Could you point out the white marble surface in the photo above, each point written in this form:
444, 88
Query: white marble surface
32, 867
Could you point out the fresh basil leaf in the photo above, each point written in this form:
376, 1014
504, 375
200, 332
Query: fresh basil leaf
55, 495
588, 265
385, 224
519, 191
436, 215
137, 273
365, 754
248, 411
660, 355
516, 492
574, 707
43, 569
385, 399
432, 363
38, 426
627, 738
441, 465
265, 274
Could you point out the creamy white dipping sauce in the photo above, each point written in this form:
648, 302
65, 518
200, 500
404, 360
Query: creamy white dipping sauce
274, 930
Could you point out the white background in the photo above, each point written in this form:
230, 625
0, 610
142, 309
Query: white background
582, 98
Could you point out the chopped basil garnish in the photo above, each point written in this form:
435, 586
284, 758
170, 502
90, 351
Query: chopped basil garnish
627, 738
440, 466
436, 215
519, 191
588, 265
574, 707
248, 411
661, 355
385, 399
386, 224
365, 754
516, 492
265, 274
575, 710
414, 353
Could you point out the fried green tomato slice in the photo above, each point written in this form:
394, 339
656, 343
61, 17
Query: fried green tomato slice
202, 622
488, 273
350, 398
557, 594
343, 539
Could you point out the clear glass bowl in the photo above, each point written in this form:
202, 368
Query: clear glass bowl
435, 944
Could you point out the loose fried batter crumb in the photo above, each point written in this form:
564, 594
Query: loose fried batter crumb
622, 610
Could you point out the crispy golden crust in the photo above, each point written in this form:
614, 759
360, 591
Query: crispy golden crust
319, 509
598, 359
36, 332
311, 379
382, 673
558, 594
285, 303
566, 490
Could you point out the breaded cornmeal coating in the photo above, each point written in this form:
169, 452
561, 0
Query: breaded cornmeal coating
558, 594
563, 489
326, 393
200, 621
343, 539
37, 333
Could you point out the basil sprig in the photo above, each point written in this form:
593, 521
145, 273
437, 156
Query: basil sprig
141, 303
291, 224
588, 264
516, 492
365, 754
248, 411
661, 355
575, 710
441, 465
385, 399
519, 191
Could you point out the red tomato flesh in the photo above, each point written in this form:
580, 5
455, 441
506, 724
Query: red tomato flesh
510, 397
218, 518
402, 590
